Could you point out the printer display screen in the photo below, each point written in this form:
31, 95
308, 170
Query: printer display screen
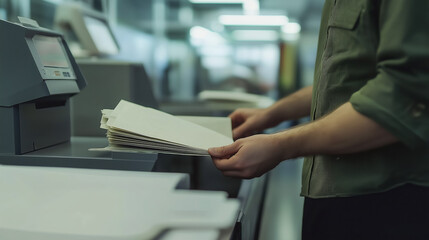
50, 51
101, 35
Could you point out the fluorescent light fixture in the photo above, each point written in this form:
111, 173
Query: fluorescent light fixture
217, 1
255, 35
199, 32
253, 20
202, 36
216, 51
251, 7
53, 1
216, 62
291, 28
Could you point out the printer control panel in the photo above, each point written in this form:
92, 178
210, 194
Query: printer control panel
52, 73
50, 57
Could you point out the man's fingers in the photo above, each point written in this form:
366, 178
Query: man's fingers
236, 119
233, 167
241, 131
224, 164
225, 151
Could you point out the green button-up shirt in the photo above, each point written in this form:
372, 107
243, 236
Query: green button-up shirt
375, 54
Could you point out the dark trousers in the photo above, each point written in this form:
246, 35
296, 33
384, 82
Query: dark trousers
401, 213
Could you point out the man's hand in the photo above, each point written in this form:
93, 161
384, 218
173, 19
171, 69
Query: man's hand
248, 121
248, 157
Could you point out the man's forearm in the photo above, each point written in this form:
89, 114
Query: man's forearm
292, 107
343, 131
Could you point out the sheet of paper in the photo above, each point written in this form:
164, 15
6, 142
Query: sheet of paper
218, 124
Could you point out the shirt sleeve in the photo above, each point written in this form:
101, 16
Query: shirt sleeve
398, 97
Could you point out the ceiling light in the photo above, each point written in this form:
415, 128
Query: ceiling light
215, 51
202, 36
255, 35
217, 1
251, 7
199, 32
291, 28
253, 20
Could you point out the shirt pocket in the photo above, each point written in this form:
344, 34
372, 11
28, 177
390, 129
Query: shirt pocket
344, 18
343, 35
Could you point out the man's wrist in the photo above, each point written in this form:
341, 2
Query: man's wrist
291, 143
273, 116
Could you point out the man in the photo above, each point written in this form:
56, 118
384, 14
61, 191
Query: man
366, 172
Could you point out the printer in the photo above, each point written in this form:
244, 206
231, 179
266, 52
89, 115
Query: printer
38, 75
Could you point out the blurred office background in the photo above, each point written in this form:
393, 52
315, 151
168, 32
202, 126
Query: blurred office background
188, 46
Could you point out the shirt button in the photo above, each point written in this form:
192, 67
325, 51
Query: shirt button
418, 109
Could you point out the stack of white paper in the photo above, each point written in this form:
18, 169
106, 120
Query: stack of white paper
131, 127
